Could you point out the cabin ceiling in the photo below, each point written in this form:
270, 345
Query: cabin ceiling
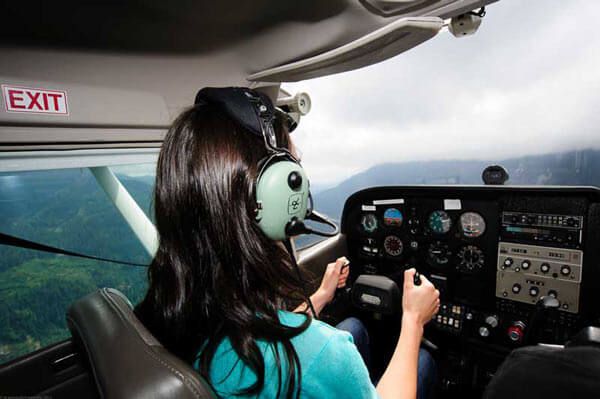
134, 64
136, 26
264, 33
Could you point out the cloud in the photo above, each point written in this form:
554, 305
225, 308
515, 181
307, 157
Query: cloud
527, 83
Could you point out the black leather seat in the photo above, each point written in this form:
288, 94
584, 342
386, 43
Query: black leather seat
126, 360
536, 372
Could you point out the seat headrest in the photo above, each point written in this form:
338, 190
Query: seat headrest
126, 360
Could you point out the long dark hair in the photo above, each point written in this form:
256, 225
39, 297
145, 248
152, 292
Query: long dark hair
215, 274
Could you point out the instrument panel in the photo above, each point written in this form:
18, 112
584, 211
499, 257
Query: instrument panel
443, 237
493, 252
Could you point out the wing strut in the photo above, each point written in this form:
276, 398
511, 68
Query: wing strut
135, 217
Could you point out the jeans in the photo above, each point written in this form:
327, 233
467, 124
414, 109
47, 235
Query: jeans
426, 370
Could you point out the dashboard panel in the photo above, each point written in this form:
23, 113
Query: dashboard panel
493, 252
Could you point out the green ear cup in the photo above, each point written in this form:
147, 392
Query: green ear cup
281, 194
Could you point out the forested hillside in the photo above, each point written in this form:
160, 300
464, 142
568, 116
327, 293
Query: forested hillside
66, 209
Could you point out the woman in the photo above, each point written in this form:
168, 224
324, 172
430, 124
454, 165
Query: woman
220, 291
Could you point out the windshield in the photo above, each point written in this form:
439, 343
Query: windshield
522, 92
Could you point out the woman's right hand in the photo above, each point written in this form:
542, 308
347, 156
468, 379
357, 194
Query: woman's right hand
419, 302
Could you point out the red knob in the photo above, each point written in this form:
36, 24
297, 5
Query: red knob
516, 331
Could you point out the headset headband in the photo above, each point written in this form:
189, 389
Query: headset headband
251, 109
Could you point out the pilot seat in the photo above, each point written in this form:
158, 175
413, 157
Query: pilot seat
125, 359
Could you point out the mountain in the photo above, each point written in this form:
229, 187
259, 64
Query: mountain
567, 168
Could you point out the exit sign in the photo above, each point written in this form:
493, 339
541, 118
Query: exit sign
35, 100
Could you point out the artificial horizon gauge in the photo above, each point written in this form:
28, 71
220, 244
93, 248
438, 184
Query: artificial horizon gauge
392, 217
439, 222
393, 246
472, 224
470, 258
369, 222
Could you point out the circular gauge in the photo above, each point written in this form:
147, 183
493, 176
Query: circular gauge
470, 258
393, 246
438, 254
439, 222
392, 217
472, 224
369, 222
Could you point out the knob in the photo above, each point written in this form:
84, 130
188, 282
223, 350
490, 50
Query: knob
545, 268
525, 264
508, 262
484, 331
534, 291
413, 225
516, 331
516, 288
553, 294
565, 270
295, 180
492, 321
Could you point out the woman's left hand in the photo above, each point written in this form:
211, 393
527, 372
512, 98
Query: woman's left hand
336, 275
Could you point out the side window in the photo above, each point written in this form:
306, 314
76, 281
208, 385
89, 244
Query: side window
66, 209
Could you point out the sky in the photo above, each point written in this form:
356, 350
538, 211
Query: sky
528, 82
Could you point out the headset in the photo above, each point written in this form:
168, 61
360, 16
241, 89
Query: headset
282, 189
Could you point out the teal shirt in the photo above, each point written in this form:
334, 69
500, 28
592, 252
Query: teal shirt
331, 365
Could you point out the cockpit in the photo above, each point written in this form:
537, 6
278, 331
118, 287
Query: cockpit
509, 263
444, 136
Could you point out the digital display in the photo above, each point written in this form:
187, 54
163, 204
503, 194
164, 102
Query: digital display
514, 229
557, 255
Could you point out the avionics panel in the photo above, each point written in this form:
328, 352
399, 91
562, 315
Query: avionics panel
551, 266
554, 230
528, 272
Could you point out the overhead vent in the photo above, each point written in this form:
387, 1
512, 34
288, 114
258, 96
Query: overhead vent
386, 42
